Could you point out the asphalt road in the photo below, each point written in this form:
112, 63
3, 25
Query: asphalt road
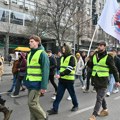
86, 104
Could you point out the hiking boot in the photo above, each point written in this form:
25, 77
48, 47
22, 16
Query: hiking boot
92, 117
103, 113
7, 114
52, 112
74, 108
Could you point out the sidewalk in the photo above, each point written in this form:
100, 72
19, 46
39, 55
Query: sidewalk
7, 69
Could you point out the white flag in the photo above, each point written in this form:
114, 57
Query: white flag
110, 18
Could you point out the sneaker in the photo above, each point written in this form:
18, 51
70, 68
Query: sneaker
83, 88
22, 89
85, 91
52, 112
93, 91
116, 91
74, 108
107, 94
54, 97
69, 98
92, 117
7, 114
14, 96
103, 113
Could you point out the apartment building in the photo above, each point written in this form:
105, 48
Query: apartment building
15, 17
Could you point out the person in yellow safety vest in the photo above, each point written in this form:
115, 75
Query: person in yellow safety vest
36, 77
66, 80
101, 63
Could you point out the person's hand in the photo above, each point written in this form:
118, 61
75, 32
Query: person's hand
57, 76
87, 59
117, 84
96, 50
42, 91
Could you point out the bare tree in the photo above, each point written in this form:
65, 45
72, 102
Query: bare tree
38, 23
61, 13
82, 21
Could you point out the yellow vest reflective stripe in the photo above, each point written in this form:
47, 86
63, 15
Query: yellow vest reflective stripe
100, 68
33, 67
64, 65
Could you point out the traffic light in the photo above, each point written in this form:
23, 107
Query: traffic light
118, 0
95, 18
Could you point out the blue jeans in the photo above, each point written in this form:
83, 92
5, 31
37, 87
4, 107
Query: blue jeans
60, 92
14, 82
111, 83
80, 77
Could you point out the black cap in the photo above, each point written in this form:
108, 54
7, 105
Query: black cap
102, 43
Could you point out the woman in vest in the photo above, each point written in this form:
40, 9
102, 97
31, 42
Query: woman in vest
66, 80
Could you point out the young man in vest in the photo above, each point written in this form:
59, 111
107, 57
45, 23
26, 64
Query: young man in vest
101, 63
37, 77
66, 80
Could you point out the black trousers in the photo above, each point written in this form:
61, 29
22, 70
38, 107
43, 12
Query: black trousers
88, 80
51, 78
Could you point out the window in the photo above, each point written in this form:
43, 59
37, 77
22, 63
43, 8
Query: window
28, 20
88, 11
20, 2
16, 18
14, 1
4, 15
88, 1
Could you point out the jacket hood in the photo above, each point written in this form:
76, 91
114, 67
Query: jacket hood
68, 50
41, 47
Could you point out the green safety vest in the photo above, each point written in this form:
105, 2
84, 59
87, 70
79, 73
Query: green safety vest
63, 65
34, 72
100, 68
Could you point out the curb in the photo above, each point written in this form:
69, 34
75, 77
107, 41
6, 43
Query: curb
7, 74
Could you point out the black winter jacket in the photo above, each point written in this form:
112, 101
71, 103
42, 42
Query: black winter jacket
102, 82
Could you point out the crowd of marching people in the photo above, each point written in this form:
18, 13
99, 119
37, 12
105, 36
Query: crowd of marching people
34, 70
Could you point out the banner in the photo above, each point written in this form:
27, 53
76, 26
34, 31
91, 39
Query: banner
110, 18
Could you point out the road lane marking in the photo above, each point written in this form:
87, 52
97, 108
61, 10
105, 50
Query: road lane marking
3, 93
116, 98
80, 111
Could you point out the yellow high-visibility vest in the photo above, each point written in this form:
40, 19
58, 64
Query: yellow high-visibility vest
100, 68
33, 67
63, 65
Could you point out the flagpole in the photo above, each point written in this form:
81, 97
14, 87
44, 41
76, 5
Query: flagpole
92, 39
91, 42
